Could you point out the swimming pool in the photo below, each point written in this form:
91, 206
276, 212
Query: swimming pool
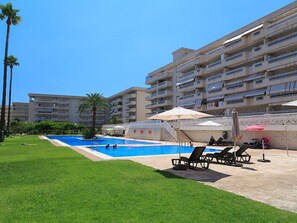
128, 151
79, 141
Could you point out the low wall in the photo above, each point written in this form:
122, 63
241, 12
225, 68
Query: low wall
150, 130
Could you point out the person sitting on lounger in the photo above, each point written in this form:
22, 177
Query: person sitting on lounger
212, 141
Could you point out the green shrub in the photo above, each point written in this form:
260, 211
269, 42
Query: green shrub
88, 133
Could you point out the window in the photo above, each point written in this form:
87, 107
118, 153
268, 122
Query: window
234, 97
255, 92
215, 86
215, 98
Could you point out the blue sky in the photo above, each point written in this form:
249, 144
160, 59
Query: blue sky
73, 47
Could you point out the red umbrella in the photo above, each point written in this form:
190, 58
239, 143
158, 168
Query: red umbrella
259, 128
255, 127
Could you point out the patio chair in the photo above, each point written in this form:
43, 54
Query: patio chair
192, 162
241, 154
221, 157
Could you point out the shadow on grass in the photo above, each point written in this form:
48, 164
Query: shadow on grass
202, 175
168, 175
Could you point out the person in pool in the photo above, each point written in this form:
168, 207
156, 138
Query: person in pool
115, 146
107, 146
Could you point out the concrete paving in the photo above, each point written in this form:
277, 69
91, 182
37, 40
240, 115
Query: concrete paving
273, 183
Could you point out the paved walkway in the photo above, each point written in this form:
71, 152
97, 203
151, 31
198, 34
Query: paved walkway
274, 183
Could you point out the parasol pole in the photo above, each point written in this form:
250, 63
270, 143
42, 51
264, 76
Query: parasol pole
178, 126
287, 146
263, 155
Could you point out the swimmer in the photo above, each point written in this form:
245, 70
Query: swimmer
115, 146
107, 146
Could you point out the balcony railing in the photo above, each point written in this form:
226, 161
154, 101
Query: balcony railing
186, 65
282, 39
214, 64
282, 57
233, 57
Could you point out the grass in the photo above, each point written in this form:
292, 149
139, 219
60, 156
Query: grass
43, 183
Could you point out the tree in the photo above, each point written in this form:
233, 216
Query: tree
93, 101
10, 14
115, 120
10, 61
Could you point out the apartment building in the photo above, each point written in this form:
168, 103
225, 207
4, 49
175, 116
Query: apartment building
20, 111
129, 105
62, 108
253, 69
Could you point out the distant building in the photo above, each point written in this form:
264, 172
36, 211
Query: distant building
62, 108
20, 111
253, 69
129, 105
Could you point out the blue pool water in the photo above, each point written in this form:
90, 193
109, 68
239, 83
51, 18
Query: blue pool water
79, 141
124, 151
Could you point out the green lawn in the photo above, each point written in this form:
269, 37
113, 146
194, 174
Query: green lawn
43, 183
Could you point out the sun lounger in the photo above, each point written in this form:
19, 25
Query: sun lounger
192, 162
241, 154
221, 157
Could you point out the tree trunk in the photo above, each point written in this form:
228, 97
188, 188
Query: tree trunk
94, 120
9, 101
2, 121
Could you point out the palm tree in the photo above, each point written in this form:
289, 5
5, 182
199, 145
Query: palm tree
115, 120
93, 101
10, 14
10, 61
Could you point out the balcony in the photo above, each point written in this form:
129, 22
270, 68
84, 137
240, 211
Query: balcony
214, 78
236, 44
283, 41
151, 89
258, 50
281, 25
186, 65
215, 105
186, 103
235, 73
212, 54
283, 59
38, 100
257, 100
160, 103
257, 35
132, 117
186, 86
151, 97
131, 103
199, 84
160, 94
234, 88
281, 98
164, 84
131, 96
259, 67
187, 75
236, 58
213, 66
163, 75
131, 110
186, 97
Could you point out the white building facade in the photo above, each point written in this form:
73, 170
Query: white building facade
253, 69
62, 108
